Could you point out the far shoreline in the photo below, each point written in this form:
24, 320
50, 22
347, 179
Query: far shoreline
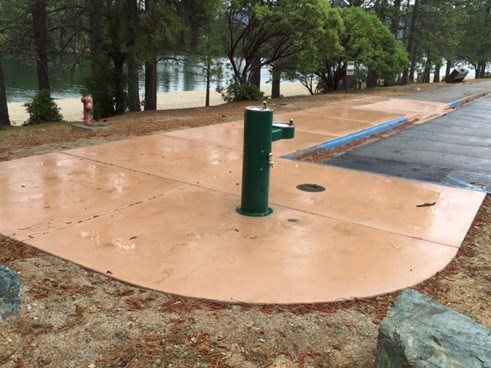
71, 108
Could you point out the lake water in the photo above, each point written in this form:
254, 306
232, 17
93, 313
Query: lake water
21, 81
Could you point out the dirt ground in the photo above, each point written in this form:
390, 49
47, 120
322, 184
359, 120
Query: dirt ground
72, 317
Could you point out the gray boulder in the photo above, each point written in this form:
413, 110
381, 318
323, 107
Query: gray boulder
9, 292
420, 333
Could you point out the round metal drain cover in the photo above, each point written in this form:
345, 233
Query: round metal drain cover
311, 187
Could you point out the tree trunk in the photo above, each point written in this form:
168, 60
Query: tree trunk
436, 78
276, 83
396, 18
412, 46
150, 76
371, 80
256, 72
132, 64
336, 84
119, 59
96, 22
307, 82
338, 76
133, 86
327, 78
448, 69
208, 81
481, 70
4, 109
381, 9
414, 60
151, 85
405, 76
478, 70
427, 71
323, 82
40, 43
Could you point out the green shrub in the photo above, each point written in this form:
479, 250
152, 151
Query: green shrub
241, 92
105, 85
42, 109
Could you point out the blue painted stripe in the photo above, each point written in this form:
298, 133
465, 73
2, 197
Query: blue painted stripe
466, 184
454, 103
342, 141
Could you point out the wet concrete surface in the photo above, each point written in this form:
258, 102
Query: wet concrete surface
454, 149
159, 212
452, 93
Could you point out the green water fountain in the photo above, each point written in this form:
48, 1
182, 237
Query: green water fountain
259, 133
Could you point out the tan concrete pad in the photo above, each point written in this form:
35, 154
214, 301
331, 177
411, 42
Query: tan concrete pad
350, 102
329, 123
377, 201
165, 156
192, 242
341, 113
410, 108
159, 211
302, 140
231, 135
400, 105
43, 193
326, 125
313, 126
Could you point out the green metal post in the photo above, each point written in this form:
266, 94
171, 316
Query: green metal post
258, 123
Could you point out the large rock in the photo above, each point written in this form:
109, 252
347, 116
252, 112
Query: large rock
420, 333
9, 292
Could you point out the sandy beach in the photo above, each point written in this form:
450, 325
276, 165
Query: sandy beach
71, 109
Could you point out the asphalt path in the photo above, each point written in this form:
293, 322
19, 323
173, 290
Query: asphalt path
453, 150
452, 93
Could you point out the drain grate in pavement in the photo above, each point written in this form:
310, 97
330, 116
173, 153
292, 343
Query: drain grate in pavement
311, 188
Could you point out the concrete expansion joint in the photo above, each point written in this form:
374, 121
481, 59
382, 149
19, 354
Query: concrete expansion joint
99, 215
124, 168
35, 235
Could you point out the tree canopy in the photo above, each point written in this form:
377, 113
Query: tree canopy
475, 47
260, 32
391, 41
358, 36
